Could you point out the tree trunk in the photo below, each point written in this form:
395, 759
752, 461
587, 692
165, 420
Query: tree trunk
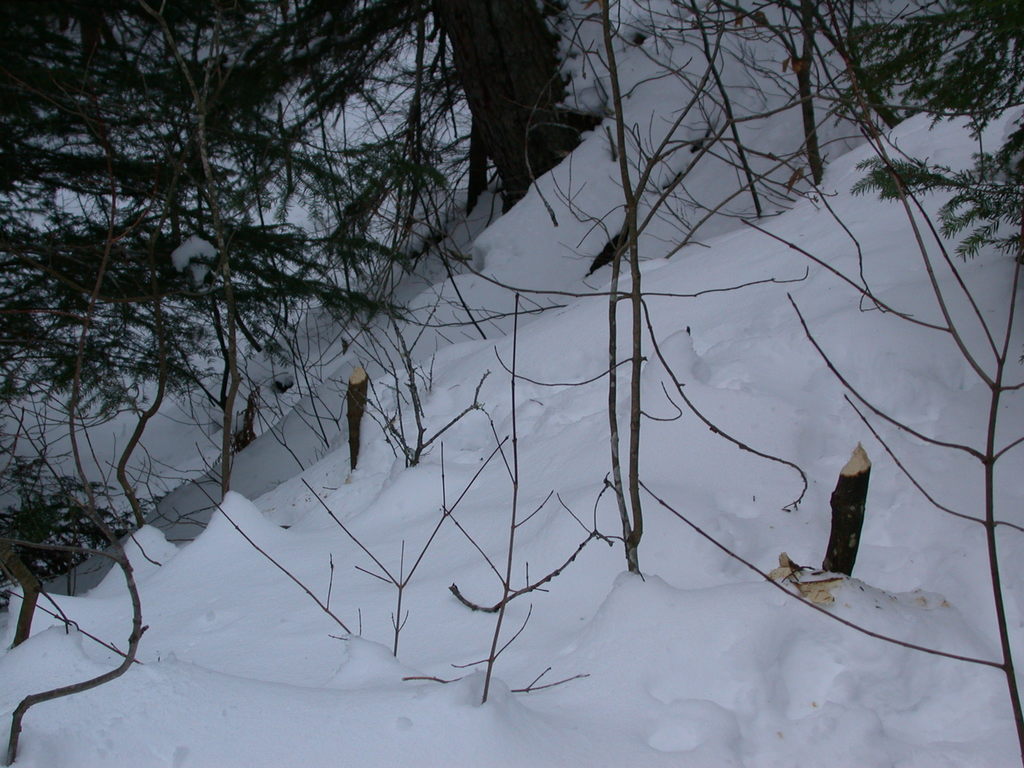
506, 59
16, 570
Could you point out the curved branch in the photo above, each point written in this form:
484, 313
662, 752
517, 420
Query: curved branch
877, 411
714, 427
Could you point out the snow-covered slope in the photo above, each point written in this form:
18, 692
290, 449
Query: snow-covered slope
701, 663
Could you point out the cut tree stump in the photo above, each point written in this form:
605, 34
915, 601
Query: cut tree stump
848, 502
356, 399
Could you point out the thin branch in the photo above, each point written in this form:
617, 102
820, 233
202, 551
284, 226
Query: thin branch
285, 571
530, 588
877, 411
715, 429
532, 687
860, 289
863, 630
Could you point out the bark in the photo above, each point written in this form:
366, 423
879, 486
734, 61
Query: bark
506, 59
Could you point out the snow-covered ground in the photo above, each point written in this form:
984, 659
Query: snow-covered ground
699, 663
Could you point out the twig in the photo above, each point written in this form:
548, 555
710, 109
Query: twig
530, 588
531, 687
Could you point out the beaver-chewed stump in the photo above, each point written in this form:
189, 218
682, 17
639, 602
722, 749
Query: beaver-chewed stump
356, 401
848, 502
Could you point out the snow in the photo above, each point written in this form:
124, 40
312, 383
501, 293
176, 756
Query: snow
196, 255
194, 247
701, 662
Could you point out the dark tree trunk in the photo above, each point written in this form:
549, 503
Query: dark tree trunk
506, 58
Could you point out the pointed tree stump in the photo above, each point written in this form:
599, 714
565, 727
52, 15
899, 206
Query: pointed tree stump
848, 502
356, 399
